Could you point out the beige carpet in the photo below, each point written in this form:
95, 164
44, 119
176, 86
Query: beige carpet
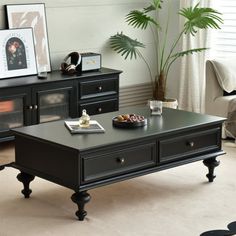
176, 202
7, 153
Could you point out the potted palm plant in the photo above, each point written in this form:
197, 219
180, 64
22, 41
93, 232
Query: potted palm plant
196, 18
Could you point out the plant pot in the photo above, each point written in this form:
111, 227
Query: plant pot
170, 103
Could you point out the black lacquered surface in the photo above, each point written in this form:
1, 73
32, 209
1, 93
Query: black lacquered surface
53, 77
171, 121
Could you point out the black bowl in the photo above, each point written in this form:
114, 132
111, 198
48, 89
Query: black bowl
128, 124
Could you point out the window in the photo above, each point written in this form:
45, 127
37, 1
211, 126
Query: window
224, 40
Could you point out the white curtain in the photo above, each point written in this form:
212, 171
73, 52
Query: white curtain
192, 70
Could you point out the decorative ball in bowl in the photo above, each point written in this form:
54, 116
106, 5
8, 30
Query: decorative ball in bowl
129, 121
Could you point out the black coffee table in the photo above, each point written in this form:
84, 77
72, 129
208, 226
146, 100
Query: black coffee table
85, 161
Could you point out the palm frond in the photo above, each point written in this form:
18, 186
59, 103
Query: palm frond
139, 19
149, 8
187, 52
200, 18
157, 3
154, 6
125, 46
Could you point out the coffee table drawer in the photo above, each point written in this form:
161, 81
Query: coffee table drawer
187, 145
114, 162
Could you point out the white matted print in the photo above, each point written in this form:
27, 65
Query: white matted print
17, 55
32, 15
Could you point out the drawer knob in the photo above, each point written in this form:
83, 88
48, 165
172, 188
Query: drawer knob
191, 144
99, 109
30, 107
121, 160
99, 88
35, 107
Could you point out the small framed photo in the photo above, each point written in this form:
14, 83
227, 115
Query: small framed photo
32, 15
17, 55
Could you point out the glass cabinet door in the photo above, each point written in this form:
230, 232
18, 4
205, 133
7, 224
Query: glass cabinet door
11, 114
54, 103
53, 106
13, 110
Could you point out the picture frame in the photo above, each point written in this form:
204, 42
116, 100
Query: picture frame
32, 15
17, 54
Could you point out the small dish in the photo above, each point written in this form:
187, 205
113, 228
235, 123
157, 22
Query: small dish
129, 121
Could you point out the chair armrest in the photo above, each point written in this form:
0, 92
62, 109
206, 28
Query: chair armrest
213, 89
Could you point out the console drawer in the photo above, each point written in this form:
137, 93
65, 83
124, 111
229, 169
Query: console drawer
99, 107
187, 145
96, 88
114, 162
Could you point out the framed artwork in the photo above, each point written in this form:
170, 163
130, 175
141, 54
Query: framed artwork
17, 55
32, 15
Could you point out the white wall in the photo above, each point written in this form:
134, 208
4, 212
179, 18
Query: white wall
86, 25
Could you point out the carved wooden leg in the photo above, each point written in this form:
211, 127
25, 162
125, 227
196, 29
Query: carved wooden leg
81, 199
25, 179
211, 164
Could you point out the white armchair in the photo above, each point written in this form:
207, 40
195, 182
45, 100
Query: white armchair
216, 103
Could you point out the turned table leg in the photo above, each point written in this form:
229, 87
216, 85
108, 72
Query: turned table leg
211, 163
81, 198
25, 179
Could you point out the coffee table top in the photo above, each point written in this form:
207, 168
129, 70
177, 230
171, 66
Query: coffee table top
171, 120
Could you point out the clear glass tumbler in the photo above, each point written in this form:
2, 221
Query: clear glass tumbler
155, 107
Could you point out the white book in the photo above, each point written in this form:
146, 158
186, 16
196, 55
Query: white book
74, 127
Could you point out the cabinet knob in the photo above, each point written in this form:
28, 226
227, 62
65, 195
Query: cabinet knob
99, 109
121, 160
191, 144
30, 107
99, 88
35, 107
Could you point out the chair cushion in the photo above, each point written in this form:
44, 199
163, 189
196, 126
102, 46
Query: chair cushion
225, 70
221, 105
